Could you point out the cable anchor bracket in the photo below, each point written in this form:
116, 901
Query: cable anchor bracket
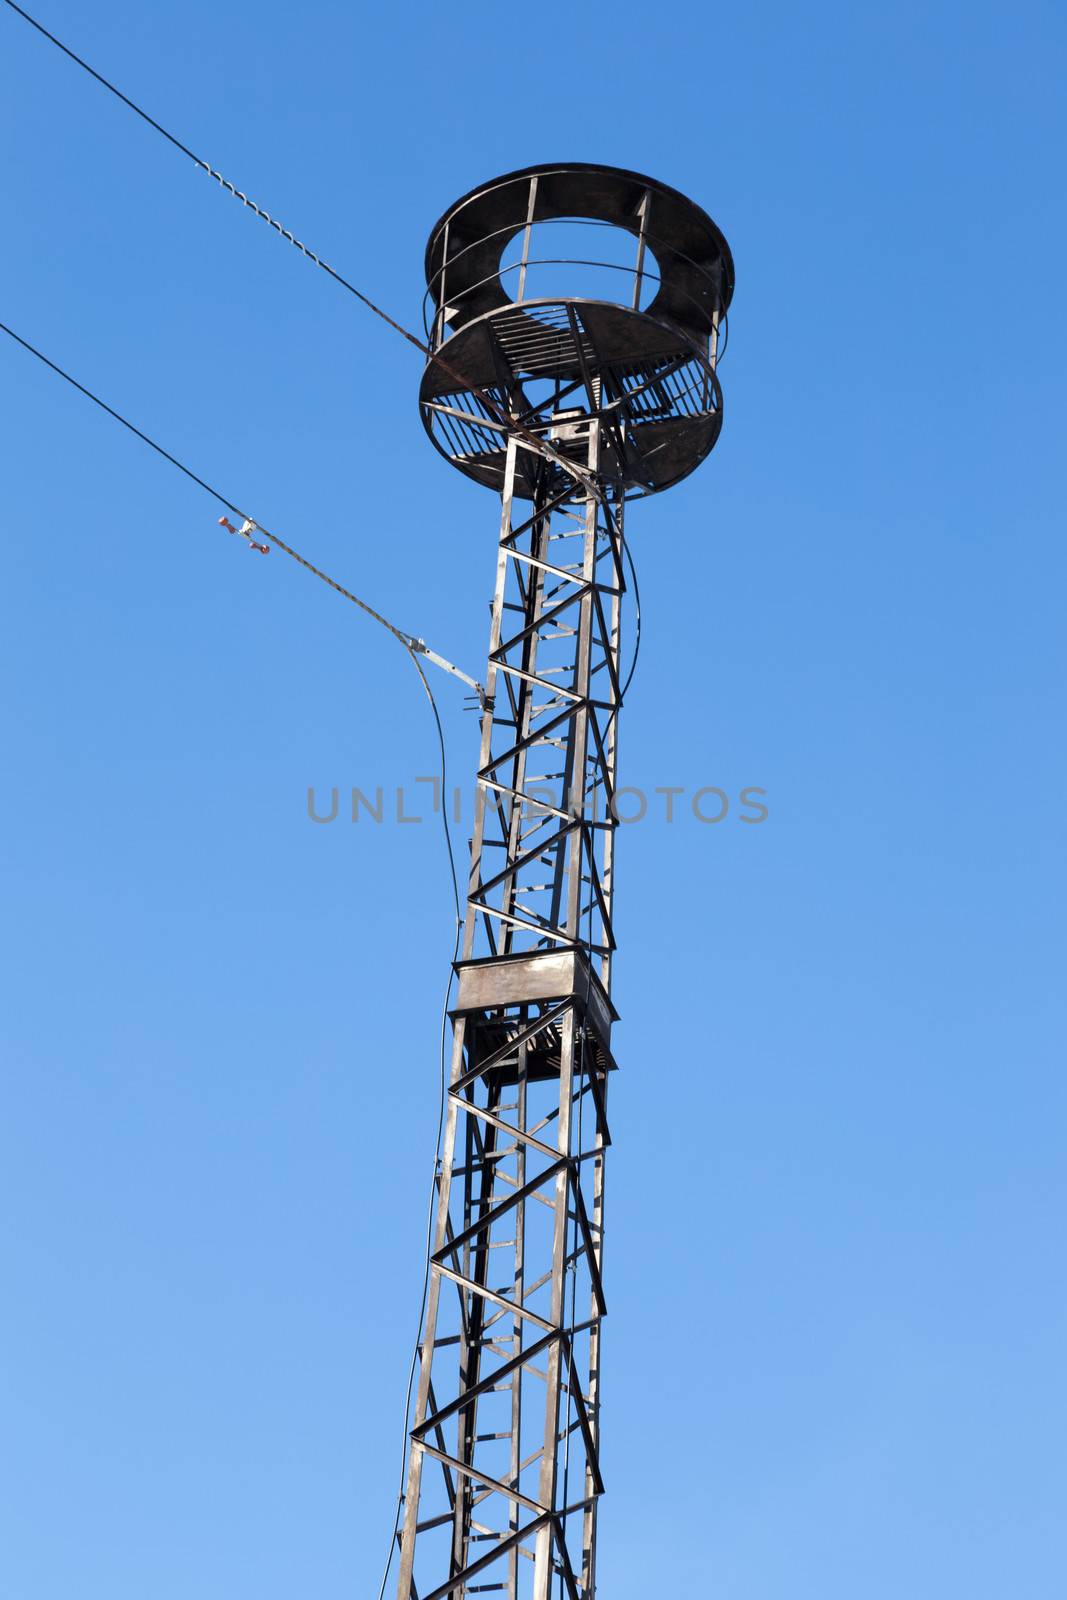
421, 648
245, 531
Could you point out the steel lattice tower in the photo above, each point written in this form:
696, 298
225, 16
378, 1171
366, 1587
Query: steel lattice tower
567, 407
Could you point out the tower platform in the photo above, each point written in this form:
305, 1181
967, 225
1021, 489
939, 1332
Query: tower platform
642, 359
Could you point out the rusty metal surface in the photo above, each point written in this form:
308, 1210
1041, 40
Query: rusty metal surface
466, 245
505, 357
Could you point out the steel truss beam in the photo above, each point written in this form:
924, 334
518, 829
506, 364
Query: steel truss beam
504, 1472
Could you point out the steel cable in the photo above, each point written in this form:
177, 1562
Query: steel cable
405, 640
442, 1098
533, 440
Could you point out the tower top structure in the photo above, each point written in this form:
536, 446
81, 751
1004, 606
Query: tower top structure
638, 349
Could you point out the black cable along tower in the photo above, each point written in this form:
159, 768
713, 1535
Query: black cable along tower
504, 1471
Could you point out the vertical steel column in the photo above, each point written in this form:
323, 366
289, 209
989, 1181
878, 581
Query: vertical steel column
507, 1404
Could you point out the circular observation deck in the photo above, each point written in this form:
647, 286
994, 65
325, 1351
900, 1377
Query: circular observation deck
532, 322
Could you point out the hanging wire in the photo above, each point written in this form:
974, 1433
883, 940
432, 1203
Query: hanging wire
532, 440
411, 646
407, 640
210, 170
637, 626
583, 1035
442, 1098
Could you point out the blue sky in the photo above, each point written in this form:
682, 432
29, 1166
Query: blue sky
834, 1355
